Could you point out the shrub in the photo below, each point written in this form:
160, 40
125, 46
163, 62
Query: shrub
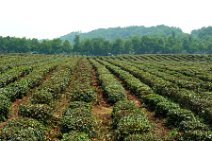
114, 93
153, 99
42, 97
162, 108
86, 95
176, 116
193, 125
23, 129
76, 136
4, 107
37, 111
197, 135
11, 92
79, 119
142, 137
134, 123
121, 109
22, 86
80, 104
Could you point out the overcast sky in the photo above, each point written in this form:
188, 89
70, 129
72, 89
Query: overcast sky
54, 18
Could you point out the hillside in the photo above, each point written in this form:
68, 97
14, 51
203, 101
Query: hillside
202, 33
126, 32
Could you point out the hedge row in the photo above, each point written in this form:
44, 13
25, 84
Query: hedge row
20, 88
78, 123
41, 102
202, 107
129, 120
23, 129
83, 89
112, 88
183, 119
13, 75
78, 117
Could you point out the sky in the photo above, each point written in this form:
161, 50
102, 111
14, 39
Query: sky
48, 19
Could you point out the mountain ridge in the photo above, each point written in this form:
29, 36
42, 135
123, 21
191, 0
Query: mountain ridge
113, 33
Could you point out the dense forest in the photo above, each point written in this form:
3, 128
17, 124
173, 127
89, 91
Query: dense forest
131, 40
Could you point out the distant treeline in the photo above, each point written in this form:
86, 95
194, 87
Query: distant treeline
200, 41
23, 45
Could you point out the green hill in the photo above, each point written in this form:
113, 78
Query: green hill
203, 33
125, 32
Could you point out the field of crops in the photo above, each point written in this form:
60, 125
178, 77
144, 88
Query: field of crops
114, 98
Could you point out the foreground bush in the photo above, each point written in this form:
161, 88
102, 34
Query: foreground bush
86, 95
197, 135
23, 129
37, 111
142, 137
121, 109
80, 104
42, 97
134, 123
4, 107
79, 119
75, 136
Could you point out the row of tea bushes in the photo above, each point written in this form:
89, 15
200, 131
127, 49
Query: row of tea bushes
11, 62
13, 75
27, 127
83, 89
21, 87
183, 119
113, 89
41, 102
23, 129
186, 98
131, 122
78, 123
128, 120
179, 79
78, 120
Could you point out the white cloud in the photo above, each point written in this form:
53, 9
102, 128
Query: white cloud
53, 18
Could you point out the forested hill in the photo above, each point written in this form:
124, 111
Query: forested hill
126, 32
203, 33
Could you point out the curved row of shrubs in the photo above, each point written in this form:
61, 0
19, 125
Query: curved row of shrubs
34, 117
179, 79
203, 107
21, 87
129, 121
40, 106
183, 119
13, 75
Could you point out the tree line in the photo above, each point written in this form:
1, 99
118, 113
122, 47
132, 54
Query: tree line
200, 42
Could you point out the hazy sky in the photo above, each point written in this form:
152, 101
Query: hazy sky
54, 18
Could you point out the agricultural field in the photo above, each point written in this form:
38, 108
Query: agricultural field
113, 98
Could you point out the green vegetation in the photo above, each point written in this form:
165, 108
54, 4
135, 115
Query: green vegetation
129, 40
114, 98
